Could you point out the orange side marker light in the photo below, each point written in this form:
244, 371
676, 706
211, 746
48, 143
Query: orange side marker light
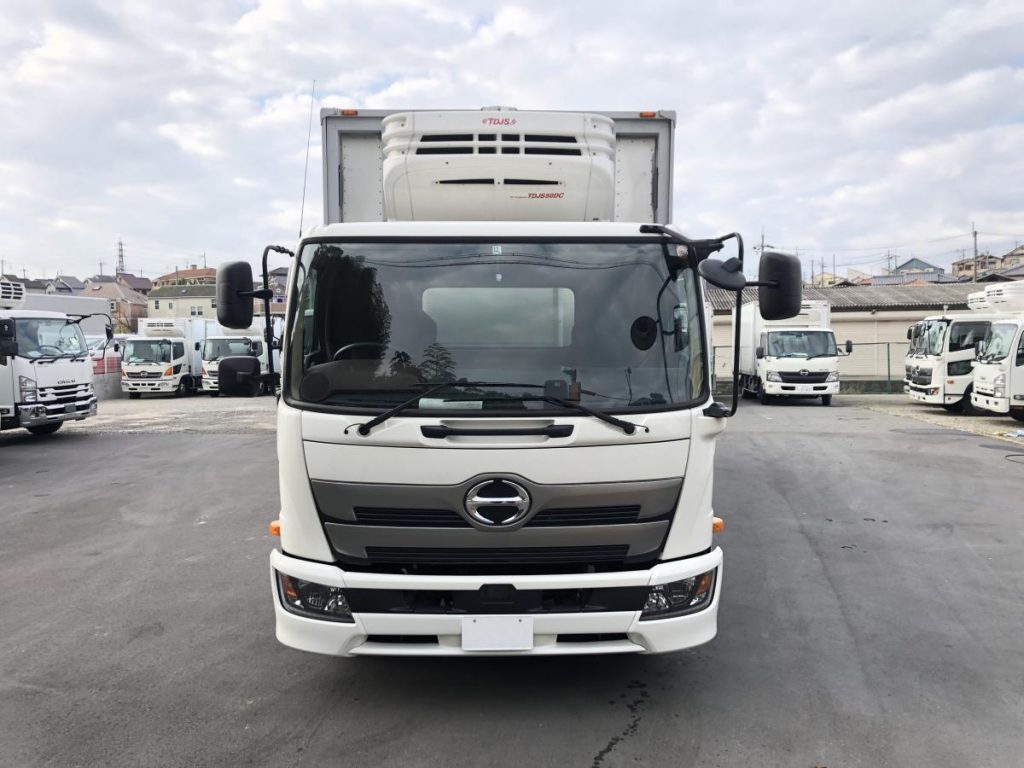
717, 525
274, 528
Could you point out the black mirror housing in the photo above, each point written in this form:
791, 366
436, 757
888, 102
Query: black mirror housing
726, 274
8, 345
117, 347
979, 348
781, 285
910, 335
759, 353
849, 347
234, 309
236, 376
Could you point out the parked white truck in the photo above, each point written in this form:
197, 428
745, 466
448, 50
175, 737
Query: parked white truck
999, 368
940, 356
496, 433
252, 344
165, 357
45, 369
792, 357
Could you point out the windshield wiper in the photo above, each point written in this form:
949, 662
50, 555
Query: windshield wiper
823, 354
376, 421
628, 427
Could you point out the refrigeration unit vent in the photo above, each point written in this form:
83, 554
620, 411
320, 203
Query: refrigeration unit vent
12, 295
498, 166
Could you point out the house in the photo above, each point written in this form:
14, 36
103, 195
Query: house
141, 285
31, 286
278, 281
65, 284
126, 305
965, 268
183, 300
194, 275
912, 278
916, 266
1014, 258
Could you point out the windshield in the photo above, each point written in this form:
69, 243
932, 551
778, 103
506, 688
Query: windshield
215, 349
933, 333
916, 345
48, 337
147, 351
600, 323
802, 344
999, 341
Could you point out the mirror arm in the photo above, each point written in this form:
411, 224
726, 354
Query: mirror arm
266, 294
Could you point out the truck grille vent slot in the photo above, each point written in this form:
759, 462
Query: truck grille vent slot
466, 181
444, 151
533, 182
447, 137
403, 639
551, 151
795, 377
410, 518
492, 557
586, 516
551, 138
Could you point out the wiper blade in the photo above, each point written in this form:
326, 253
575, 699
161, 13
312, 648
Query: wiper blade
824, 354
628, 427
365, 428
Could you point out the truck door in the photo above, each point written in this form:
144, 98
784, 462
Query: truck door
6, 387
178, 358
1015, 386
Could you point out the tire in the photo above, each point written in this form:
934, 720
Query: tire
826, 399
134, 395
1017, 415
45, 429
766, 399
966, 406
956, 407
214, 393
745, 392
180, 389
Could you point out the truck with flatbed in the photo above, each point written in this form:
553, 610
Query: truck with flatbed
496, 431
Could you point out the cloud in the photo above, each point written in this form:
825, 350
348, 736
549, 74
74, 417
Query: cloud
182, 128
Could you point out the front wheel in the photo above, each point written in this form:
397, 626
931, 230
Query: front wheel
968, 407
764, 396
214, 393
826, 399
1017, 415
45, 429
745, 391
134, 395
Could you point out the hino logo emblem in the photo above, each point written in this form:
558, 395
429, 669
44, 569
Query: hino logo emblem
804, 372
497, 502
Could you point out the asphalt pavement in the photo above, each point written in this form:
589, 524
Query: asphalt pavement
871, 616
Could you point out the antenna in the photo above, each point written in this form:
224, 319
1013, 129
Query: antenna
305, 169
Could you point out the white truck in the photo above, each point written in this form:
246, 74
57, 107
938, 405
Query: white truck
45, 369
164, 357
496, 433
940, 356
793, 357
999, 368
250, 343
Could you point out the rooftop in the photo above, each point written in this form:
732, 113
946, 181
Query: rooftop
866, 297
207, 291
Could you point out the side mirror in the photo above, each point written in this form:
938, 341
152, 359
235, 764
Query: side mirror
979, 348
8, 344
678, 330
197, 346
759, 353
234, 294
117, 347
781, 283
726, 274
910, 335
110, 333
849, 347
237, 376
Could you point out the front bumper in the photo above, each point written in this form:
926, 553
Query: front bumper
353, 639
801, 390
990, 403
931, 394
148, 385
39, 414
210, 384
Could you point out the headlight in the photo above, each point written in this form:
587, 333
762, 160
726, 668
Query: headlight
832, 376
773, 376
678, 598
959, 368
169, 372
999, 385
316, 601
28, 389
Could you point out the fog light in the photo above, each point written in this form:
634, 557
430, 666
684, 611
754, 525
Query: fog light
317, 601
678, 598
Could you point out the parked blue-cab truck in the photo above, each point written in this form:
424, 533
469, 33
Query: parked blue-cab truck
496, 431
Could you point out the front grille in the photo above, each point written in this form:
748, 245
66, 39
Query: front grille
512, 556
64, 395
444, 518
143, 374
796, 377
410, 518
496, 599
403, 639
486, 144
919, 376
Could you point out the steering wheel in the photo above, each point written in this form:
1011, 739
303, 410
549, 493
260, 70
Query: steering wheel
337, 355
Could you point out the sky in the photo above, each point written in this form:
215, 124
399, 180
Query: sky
841, 130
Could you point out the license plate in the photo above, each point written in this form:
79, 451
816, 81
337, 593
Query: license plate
69, 408
497, 633
804, 389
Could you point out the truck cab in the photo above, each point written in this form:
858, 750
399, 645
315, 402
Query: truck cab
164, 357
216, 348
496, 432
46, 373
999, 368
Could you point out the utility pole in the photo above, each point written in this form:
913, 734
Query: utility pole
101, 267
835, 277
120, 257
204, 259
974, 231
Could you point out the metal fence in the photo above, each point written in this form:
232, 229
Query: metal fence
870, 361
